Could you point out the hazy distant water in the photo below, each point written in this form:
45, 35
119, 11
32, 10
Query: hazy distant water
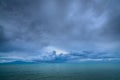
60, 71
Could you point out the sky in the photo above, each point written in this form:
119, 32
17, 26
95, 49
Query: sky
59, 30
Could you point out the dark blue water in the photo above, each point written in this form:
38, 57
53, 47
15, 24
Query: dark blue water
61, 71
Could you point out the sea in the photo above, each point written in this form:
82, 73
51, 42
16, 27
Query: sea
61, 71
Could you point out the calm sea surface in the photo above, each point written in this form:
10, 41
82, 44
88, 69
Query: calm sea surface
61, 71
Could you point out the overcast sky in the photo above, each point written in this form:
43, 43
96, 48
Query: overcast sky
35, 30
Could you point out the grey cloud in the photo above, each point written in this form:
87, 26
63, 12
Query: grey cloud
71, 25
2, 36
112, 29
52, 24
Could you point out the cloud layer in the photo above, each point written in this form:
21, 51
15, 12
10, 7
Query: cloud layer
28, 27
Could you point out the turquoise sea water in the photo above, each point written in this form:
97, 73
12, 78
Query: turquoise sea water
61, 71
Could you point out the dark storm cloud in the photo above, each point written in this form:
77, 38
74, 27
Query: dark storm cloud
28, 27
3, 39
2, 36
112, 28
